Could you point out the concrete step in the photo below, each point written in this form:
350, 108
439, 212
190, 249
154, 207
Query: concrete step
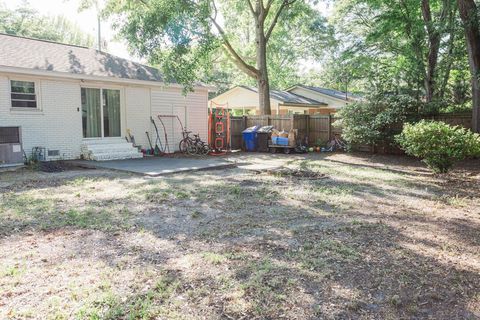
94, 141
116, 156
109, 149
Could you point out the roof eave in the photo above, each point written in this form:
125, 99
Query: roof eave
305, 105
328, 95
76, 76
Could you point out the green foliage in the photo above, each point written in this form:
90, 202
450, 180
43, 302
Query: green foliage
302, 34
172, 34
383, 46
376, 120
27, 22
438, 144
180, 37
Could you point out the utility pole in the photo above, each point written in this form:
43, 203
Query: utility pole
346, 83
99, 32
99, 27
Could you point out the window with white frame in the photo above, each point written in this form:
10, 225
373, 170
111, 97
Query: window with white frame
23, 94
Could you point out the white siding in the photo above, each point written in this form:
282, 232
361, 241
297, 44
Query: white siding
240, 98
57, 126
163, 101
137, 119
197, 113
192, 111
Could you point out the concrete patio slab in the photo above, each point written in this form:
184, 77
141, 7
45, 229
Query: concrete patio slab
157, 166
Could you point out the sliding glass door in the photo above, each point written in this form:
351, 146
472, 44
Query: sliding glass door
111, 113
100, 113
91, 115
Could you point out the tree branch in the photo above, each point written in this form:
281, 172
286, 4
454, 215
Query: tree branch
239, 62
285, 4
269, 5
227, 46
252, 10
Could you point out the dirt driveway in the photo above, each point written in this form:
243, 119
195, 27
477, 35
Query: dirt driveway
332, 236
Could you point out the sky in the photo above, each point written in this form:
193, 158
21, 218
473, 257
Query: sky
86, 20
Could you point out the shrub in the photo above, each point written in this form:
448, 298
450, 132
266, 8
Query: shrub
438, 144
377, 120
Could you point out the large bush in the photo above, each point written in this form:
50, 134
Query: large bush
438, 144
377, 120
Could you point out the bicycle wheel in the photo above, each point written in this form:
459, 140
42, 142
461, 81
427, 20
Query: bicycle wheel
183, 145
192, 149
204, 149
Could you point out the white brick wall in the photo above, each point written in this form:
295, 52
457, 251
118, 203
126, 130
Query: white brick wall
56, 126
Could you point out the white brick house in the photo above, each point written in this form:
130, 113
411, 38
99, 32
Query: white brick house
68, 99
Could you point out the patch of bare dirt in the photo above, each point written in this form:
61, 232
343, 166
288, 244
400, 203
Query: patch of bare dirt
380, 238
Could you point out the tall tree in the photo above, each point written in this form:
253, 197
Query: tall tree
26, 21
434, 34
300, 38
405, 46
183, 35
470, 16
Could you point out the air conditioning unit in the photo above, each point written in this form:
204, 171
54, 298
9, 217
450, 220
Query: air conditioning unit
11, 151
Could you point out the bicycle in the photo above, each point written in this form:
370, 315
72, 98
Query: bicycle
193, 146
337, 144
202, 147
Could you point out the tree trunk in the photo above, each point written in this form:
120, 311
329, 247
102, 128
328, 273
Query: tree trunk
262, 77
433, 44
263, 82
469, 14
434, 38
450, 52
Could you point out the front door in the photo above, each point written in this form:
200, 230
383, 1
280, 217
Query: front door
100, 113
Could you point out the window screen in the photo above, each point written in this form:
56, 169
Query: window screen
23, 94
9, 135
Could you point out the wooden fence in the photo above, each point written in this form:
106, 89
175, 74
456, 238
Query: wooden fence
316, 129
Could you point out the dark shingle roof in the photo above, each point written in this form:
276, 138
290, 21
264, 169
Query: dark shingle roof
45, 55
330, 92
288, 97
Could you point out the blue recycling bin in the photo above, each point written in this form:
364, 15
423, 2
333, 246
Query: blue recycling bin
250, 138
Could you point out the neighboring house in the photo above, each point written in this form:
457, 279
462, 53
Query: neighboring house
245, 99
333, 98
76, 101
298, 99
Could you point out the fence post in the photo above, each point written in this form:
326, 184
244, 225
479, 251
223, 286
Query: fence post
292, 121
307, 129
329, 127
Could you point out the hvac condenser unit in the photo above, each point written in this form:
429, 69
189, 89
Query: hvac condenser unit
11, 152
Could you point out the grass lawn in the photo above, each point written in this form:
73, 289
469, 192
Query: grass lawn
336, 237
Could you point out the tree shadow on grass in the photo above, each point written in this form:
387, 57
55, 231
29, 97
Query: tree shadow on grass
277, 257
345, 270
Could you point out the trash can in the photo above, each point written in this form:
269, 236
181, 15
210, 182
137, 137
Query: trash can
263, 136
250, 138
